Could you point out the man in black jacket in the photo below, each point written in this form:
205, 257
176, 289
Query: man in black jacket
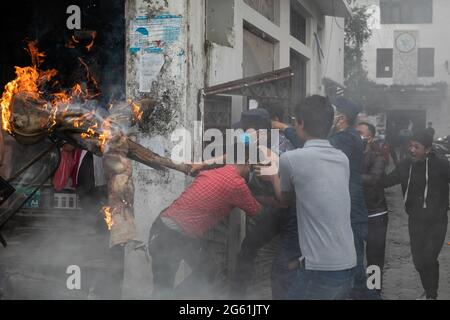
425, 182
347, 139
373, 171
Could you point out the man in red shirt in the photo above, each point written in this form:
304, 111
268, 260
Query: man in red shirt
177, 234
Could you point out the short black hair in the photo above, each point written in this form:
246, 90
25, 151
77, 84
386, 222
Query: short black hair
423, 137
317, 114
372, 129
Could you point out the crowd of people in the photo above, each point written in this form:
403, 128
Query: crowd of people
327, 203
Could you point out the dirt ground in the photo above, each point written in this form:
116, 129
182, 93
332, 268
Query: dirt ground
401, 280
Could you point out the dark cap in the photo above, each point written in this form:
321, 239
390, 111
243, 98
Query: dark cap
346, 107
423, 137
257, 119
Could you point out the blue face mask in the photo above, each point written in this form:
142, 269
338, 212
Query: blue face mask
245, 138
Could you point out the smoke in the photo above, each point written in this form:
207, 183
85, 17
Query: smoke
35, 263
43, 243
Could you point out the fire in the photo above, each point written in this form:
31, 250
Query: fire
32, 80
28, 79
108, 213
91, 79
136, 110
37, 58
105, 136
91, 44
90, 132
74, 42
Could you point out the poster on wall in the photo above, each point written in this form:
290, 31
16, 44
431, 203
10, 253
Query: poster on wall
150, 67
154, 34
150, 38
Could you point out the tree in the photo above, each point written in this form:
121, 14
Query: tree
357, 34
358, 86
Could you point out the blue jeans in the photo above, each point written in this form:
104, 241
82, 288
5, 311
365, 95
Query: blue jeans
282, 276
321, 285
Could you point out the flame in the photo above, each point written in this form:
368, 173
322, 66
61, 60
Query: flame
72, 43
108, 213
91, 79
31, 80
136, 110
37, 58
105, 136
91, 44
28, 79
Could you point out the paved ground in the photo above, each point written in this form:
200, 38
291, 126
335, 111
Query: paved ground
401, 281
34, 264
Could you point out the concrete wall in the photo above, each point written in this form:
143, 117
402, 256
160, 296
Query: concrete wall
225, 62
184, 64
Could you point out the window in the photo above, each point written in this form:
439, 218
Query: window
425, 67
265, 7
406, 11
259, 53
385, 59
298, 65
298, 23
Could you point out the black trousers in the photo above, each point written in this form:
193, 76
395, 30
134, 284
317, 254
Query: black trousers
265, 228
427, 239
168, 248
273, 221
376, 241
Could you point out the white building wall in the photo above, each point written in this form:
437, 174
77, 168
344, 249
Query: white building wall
225, 63
434, 35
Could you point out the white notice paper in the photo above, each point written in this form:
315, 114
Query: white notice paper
150, 67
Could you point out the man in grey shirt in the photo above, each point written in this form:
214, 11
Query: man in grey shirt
317, 177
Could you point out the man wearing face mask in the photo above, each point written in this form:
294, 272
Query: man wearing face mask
374, 167
425, 182
345, 138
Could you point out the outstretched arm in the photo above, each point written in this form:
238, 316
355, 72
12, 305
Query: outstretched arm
391, 179
289, 133
283, 189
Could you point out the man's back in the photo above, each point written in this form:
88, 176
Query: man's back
350, 143
320, 176
209, 199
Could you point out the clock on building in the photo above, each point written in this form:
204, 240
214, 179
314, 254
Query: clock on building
405, 42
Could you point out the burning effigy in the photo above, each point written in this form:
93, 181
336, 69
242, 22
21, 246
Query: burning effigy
33, 110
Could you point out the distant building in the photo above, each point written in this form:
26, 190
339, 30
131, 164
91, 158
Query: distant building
409, 57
